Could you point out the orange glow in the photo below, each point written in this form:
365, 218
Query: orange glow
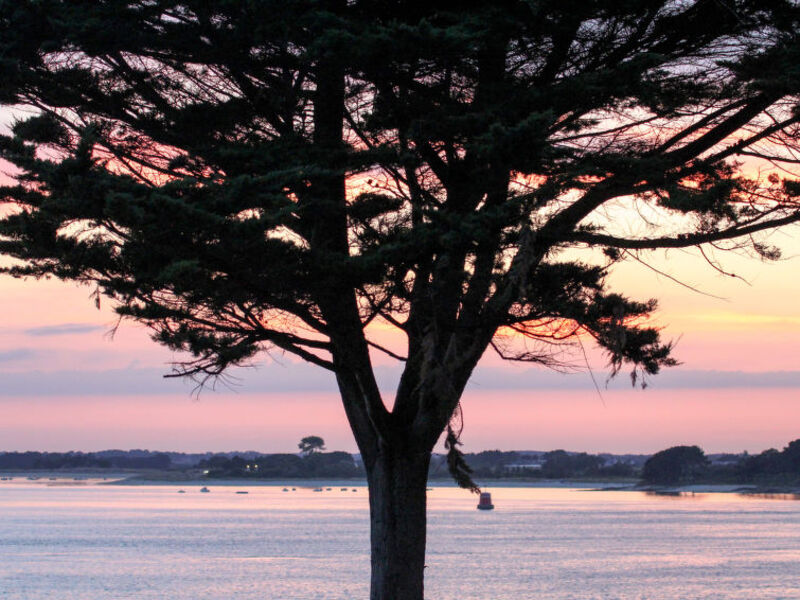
727, 325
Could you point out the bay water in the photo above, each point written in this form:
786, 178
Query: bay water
90, 541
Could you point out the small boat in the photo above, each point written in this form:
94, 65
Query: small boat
317, 489
181, 491
342, 489
285, 489
485, 502
242, 492
204, 489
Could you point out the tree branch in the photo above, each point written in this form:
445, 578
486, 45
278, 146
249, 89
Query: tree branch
682, 240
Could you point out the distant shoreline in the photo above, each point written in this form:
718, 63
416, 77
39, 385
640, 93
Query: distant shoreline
180, 479
486, 485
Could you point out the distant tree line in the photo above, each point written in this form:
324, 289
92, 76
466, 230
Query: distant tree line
311, 463
689, 464
269, 466
678, 465
52, 461
557, 464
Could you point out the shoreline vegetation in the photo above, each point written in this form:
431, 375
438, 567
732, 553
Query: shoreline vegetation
680, 469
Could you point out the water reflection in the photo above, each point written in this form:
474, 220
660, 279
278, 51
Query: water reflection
674, 494
150, 543
769, 495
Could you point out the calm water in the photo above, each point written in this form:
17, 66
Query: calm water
92, 542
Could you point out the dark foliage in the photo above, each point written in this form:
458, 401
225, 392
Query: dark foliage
676, 465
311, 444
79, 460
456, 464
283, 466
196, 172
558, 464
772, 466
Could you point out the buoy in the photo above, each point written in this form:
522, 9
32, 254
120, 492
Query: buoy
485, 502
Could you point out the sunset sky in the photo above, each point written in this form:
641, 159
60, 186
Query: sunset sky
68, 385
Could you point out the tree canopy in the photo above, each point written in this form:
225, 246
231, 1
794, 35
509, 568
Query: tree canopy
311, 444
679, 464
243, 176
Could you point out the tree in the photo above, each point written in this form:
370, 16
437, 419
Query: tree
330, 464
791, 456
679, 464
242, 175
771, 465
311, 444
559, 464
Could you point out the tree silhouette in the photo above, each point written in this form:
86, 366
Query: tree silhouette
679, 464
311, 444
241, 176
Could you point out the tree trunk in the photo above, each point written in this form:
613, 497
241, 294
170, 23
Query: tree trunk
397, 502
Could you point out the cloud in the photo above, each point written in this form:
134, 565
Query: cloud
19, 354
63, 329
295, 377
110, 382
515, 379
148, 381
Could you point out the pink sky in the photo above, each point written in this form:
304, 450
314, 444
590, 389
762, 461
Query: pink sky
67, 385
64, 384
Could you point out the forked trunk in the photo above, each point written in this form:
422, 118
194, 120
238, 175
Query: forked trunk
397, 503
